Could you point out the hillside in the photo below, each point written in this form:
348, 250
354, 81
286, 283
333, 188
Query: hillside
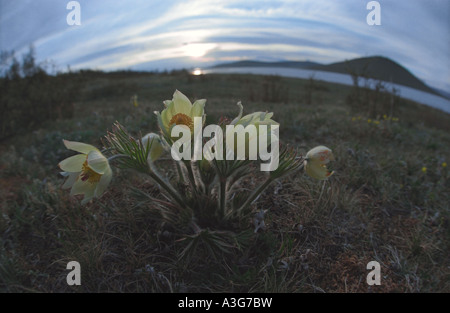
379, 68
376, 67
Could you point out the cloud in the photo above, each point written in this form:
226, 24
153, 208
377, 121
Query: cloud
191, 33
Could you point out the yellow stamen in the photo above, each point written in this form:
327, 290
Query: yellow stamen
89, 175
182, 119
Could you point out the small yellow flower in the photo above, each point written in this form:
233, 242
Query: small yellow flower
385, 116
134, 100
316, 160
359, 117
444, 164
395, 119
87, 173
179, 111
424, 169
353, 119
376, 122
369, 121
156, 147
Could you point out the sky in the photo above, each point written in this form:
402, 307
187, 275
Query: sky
174, 34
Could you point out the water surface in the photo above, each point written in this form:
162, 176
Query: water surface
345, 79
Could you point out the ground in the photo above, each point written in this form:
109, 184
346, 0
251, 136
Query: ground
388, 200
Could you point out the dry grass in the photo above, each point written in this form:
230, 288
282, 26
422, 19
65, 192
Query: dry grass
319, 237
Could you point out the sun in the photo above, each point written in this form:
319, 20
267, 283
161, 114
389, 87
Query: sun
197, 72
197, 50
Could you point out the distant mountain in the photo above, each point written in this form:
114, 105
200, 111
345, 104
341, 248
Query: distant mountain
376, 67
379, 68
443, 93
291, 64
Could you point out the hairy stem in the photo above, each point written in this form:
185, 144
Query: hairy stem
190, 176
166, 185
198, 176
118, 156
222, 195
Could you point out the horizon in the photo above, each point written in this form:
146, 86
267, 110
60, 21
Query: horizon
155, 36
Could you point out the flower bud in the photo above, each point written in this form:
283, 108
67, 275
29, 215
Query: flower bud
154, 142
316, 160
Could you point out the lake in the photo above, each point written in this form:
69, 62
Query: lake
345, 79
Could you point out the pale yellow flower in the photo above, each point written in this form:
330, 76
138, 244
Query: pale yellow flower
156, 147
316, 160
256, 119
88, 173
179, 111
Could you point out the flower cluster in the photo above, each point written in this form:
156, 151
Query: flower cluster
385, 118
207, 192
440, 168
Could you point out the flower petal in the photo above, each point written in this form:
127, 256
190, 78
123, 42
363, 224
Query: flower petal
320, 154
73, 163
241, 110
79, 146
167, 103
97, 162
71, 179
103, 183
166, 116
198, 108
82, 187
88, 196
155, 145
181, 104
317, 170
268, 116
252, 118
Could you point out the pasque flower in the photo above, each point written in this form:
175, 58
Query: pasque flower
87, 173
256, 119
179, 111
316, 160
154, 142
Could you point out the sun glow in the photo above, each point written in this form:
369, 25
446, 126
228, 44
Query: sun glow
197, 72
197, 50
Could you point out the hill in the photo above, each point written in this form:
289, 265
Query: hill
379, 68
291, 64
376, 67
